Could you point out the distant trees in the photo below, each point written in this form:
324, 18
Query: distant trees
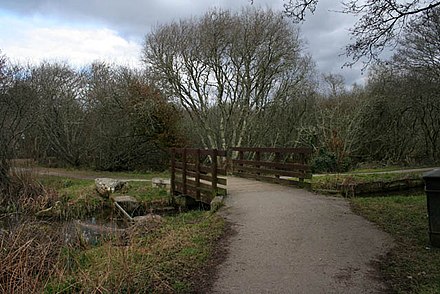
408, 87
228, 71
133, 122
16, 113
221, 80
102, 116
61, 124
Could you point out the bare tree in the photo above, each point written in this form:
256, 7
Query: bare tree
16, 113
224, 69
334, 84
419, 49
379, 24
133, 123
62, 111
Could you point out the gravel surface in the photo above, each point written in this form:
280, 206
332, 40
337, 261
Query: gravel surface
293, 241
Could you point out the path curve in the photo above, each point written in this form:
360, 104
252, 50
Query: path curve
293, 241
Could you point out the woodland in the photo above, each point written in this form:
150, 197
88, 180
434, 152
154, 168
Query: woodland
227, 79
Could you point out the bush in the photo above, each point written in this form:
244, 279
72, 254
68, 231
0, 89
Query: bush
326, 161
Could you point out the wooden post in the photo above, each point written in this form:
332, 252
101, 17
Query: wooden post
198, 174
277, 159
241, 157
214, 171
302, 159
184, 159
173, 172
257, 158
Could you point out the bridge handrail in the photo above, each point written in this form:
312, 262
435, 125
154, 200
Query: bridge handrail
272, 163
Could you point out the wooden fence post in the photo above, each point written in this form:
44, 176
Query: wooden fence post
241, 157
184, 159
257, 158
197, 174
302, 159
214, 171
173, 172
277, 159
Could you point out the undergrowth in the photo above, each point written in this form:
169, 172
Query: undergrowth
29, 253
332, 182
160, 259
163, 255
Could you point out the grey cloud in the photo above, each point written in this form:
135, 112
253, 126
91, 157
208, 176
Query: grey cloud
326, 32
135, 16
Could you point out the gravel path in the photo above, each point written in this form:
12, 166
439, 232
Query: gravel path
292, 241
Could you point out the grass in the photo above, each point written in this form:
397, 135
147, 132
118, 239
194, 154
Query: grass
379, 169
78, 197
412, 266
144, 192
331, 182
28, 252
388, 168
164, 259
105, 174
163, 255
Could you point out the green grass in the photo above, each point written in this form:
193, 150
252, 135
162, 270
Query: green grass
412, 266
65, 184
378, 169
165, 259
330, 182
144, 192
107, 174
375, 169
79, 197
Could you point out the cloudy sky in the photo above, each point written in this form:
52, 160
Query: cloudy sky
82, 31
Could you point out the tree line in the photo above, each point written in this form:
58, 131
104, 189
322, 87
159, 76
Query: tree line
221, 80
101, 116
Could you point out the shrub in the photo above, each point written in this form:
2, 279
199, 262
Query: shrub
327, 161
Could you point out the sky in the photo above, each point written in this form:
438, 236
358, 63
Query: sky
83, 31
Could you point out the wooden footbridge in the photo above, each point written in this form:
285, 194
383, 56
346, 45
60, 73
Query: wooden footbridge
201, 173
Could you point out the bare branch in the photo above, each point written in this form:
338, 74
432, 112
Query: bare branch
297, 9
379, 25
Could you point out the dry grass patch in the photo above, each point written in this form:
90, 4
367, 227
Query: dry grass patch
162, 261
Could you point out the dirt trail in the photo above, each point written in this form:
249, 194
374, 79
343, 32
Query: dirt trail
397, 171
293, 241
75, 174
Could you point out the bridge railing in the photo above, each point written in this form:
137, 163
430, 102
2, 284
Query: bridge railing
197, 173
278, 165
